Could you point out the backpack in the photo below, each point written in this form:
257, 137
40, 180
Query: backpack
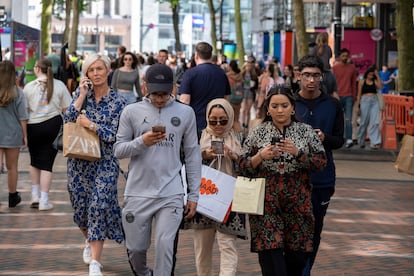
236, 96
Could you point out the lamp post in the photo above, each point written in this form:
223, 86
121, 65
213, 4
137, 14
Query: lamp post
97, 33
337, 27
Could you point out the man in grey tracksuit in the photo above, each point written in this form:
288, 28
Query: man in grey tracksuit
154, 191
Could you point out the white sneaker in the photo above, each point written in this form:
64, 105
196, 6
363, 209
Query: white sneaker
95, 268
87, 254
44, 206
34, 203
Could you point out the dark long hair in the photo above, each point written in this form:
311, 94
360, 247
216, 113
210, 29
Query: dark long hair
279, 90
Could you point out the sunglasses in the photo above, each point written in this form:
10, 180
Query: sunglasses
221, 122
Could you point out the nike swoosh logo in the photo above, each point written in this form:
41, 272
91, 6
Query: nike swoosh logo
325, 202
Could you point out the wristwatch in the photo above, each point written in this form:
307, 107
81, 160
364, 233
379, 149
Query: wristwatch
91, 126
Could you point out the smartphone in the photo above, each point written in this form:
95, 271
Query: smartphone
89, 84
158, 128
218, 147
275, 139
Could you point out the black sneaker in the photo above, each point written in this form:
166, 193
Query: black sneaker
14, 199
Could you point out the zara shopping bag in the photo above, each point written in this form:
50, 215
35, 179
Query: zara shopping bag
216, 193
79, 142
405, 159
249, 195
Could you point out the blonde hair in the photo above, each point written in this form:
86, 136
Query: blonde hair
91, 59
7, 82
321, 40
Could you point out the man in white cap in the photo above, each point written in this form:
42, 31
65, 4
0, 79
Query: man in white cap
151, 133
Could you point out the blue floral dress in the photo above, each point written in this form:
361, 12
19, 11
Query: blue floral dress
92, 185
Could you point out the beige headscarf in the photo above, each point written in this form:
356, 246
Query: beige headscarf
228, 137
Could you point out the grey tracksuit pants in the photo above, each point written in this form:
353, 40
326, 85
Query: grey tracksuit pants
138, 216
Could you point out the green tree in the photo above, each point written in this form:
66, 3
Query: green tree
47, 7
68, 8
405, 39
300, 29
175, 8
239, 32
77, 8
213, 34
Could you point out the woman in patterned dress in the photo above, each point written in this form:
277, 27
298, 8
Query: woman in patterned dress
284, 152
92, 185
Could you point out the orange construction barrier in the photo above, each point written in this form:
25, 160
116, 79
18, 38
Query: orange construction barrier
401, 110
389, 135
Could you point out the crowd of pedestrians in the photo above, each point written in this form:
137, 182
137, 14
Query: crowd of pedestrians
162, 111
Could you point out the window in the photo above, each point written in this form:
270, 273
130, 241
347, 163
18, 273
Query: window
116, 7
107, 7
57, 38
165, 33
113, 40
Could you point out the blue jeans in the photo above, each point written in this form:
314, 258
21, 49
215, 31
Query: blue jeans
347, 104
370, 119
129, 96
320, 203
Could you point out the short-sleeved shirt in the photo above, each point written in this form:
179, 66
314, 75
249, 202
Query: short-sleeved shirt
11, 132
36, 97
204, 83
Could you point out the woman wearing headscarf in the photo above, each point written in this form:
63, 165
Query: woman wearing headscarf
92, 185
220, 118
46, 99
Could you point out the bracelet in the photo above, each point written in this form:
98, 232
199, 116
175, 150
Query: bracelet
92, 126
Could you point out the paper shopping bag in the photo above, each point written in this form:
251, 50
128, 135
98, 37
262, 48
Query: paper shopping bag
405, 159
79, 142
216, 193
249, 195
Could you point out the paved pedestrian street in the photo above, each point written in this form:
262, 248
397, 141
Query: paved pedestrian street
368, 229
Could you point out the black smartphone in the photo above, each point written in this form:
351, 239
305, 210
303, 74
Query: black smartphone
275, 139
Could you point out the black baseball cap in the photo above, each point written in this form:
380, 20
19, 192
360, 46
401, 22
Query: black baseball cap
159, 78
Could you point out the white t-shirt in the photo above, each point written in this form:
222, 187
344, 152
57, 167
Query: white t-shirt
36, 97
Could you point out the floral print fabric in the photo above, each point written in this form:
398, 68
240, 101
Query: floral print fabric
287, 221
92, 186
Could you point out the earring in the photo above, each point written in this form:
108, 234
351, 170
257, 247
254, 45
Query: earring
293, 112
268, 113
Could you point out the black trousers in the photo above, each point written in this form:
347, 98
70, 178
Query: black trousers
279, 262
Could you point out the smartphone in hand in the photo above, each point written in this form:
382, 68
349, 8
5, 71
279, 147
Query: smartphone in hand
158, 128
218, 147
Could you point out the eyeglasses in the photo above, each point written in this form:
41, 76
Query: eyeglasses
159, 95
221, 122
309, 76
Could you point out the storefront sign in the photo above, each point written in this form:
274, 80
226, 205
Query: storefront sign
87, 29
